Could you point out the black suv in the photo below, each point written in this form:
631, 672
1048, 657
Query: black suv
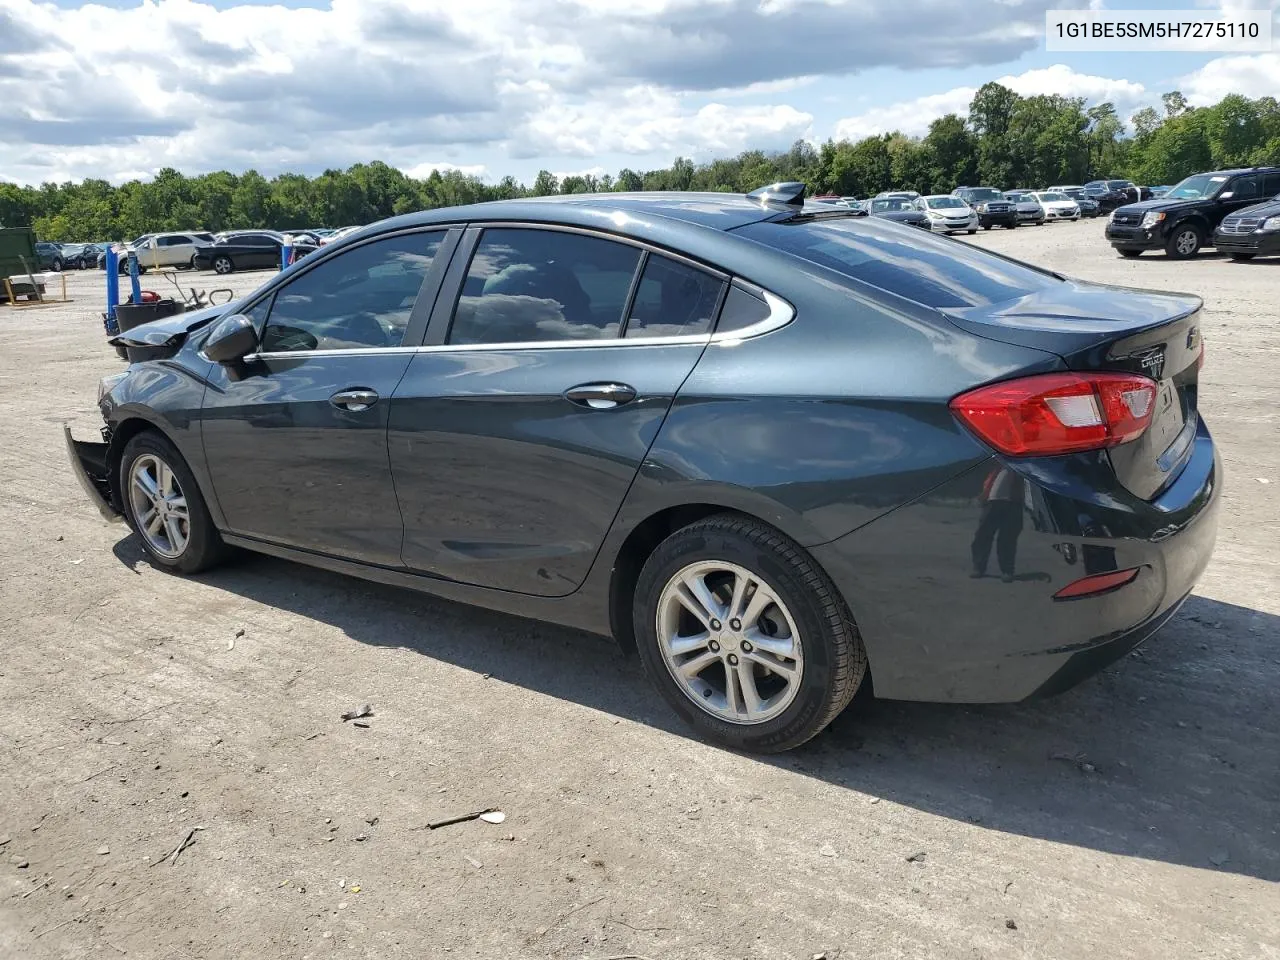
1183, 220
1251, 232
1110, 194
993, 209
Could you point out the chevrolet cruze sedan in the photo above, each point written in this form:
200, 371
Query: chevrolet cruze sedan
948, 214
778, 449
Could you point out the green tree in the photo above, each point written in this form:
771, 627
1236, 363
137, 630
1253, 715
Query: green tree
546, 184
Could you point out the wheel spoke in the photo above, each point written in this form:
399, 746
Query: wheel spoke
173, 530
740, 584
691, 668
178, 507
696, 595
783, 647
733, 689
165, 480
154, 522
145, 482
747, 679
785, 670
759, 601
680, 646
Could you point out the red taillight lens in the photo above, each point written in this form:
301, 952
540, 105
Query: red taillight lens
1055, 413
1098, 583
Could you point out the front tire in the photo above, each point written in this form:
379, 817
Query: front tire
223, 265
973, 231
163, 505
745, 637
1130, 254
57, 265
986, 226
1185, 242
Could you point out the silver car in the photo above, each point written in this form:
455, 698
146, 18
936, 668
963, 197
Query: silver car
948, 214
1026, 205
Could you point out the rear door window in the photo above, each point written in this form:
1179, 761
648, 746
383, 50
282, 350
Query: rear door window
1244, 188
673, 300
930, 270
530, 285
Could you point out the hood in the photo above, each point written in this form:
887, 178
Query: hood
1267, 208
1146, 206
170, 331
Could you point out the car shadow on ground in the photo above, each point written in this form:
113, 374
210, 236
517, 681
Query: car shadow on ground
1173, 754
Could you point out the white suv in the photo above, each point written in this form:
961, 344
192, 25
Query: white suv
171, 249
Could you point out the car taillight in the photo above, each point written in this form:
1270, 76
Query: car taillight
1055, 413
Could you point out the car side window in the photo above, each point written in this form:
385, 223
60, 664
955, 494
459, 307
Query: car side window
741, 310
1271, 184
672, 300
1244, 188
361, 298
529, 285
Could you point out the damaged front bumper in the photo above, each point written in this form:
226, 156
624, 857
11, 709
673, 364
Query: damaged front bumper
89, 464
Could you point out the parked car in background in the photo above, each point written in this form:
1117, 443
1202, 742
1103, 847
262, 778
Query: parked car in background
1026, 206
122, 249
1108, 197
1057, 206
79, 256
1186, 218
48, 256
171, 249
338, 235
899, 209
1088, 206
907, 194
351, 411
948, 214
992, 208
1160, 191
259, 250
1251, 232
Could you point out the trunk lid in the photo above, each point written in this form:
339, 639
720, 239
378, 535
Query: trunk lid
1094, 327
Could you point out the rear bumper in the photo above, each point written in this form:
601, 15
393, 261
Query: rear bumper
89, 464
1262, 244
936, 631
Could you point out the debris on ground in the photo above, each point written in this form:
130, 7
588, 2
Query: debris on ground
917, 857
359, 713
103, 850
1011, 925
187, 841
487, 815
1079, 759
827, 850
362, 724
473, 861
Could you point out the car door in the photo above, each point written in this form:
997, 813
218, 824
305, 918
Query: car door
548, 371
1239, 193
295, 437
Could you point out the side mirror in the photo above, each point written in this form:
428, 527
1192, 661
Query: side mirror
232, 338
1227, 195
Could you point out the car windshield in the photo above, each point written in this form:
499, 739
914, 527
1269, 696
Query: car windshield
891, 204
984, 193
1018, 197
930, 270
1119, 184
1053, 196
1197, 187
936, 203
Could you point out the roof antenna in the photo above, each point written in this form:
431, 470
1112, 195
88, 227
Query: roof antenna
780, 195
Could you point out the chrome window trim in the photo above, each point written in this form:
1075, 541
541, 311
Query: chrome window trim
780, 314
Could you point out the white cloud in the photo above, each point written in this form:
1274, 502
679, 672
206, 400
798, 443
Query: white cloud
112, 92
1253, 75
423, 170
913, 117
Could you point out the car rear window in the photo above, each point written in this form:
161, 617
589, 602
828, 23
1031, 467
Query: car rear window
933, 271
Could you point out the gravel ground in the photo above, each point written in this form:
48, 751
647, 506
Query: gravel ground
1135, 816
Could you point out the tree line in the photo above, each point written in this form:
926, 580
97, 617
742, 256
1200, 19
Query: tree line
1006, 141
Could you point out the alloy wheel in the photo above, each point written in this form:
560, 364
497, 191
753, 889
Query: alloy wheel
222, 265
729, 642
159, 506
1187, 242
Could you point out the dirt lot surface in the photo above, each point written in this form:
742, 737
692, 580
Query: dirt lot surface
1135, 816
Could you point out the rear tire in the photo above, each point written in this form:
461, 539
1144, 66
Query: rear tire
750, 583
972, 232
57, 265
986, 226
1185, 242
164, 506
223, 265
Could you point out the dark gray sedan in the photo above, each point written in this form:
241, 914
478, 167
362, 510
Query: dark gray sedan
777, 449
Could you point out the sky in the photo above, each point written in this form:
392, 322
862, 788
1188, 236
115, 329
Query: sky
118, 89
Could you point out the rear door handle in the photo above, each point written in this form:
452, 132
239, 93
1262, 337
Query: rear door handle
354, 400
600, 396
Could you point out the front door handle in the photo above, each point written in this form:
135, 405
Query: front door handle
354, 400
600, 396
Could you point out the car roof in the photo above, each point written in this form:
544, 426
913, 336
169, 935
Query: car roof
718, 211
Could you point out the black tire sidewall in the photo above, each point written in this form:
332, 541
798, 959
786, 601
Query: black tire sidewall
204, 546
817, 686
